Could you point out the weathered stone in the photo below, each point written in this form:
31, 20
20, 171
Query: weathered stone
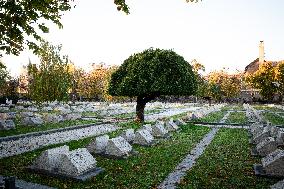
76, 162
278, 185
118, 147
192, 116
47, 109
52, 118
32, 121
7, 124
50, 159
98, 145
158, 130
171, 126
72, 116
273, 163
143, 137
280, 138
265, 133
274, 131
26, 114
11, 115
179, 122
148, 127
128, 135
266, 146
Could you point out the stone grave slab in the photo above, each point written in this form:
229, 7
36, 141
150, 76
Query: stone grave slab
32, 121
278, 185
280, 138
144, 138
171, 125
7, 124
266, 146
128, 135
78, 164
118, 148
158, 130
265, 133
148, 127
49, 159
272, 165
98, 145
179, 122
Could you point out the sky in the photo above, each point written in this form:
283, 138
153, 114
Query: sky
217, 33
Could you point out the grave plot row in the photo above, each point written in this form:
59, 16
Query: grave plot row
120, 147
203, 112
79, 164
268, 140
253, 115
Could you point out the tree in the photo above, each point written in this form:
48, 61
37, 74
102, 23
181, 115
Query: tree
150, 74
51, 79
23, 21
4, 75
279, 79
263, 79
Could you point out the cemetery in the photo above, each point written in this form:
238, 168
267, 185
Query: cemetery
155, 95
117, 152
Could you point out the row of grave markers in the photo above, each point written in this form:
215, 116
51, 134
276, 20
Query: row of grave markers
268, 141
79, 164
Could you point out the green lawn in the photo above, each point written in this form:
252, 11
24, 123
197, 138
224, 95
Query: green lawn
226, 163
146, 170
20, 129
273, 118
213, 117
237, 117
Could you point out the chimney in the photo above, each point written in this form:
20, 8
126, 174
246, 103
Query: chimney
261, 52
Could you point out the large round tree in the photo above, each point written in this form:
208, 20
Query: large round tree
152, 73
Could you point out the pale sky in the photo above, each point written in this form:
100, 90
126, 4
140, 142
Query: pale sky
218, 33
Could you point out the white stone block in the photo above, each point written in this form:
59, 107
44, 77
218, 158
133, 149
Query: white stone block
50, 159
158, 130
118, 147
143, 137
273, 163
266, 146
98, 145
171, 126
76, 162
128, 135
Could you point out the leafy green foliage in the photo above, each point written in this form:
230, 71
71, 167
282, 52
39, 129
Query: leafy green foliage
226, 163
50, 80
263, 79
153, 72
4, 75
22, 21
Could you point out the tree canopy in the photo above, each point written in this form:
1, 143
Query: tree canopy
23, 21
152, 73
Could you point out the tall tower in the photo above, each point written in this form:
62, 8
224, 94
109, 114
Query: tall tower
261, 52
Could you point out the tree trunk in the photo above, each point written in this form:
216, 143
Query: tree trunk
141, 103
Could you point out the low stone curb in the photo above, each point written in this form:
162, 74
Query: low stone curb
33, 134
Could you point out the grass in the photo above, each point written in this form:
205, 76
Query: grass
233, 107
237, 117
274, 119
146, 170
213, 117
226, 163
273, 109
20, 129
